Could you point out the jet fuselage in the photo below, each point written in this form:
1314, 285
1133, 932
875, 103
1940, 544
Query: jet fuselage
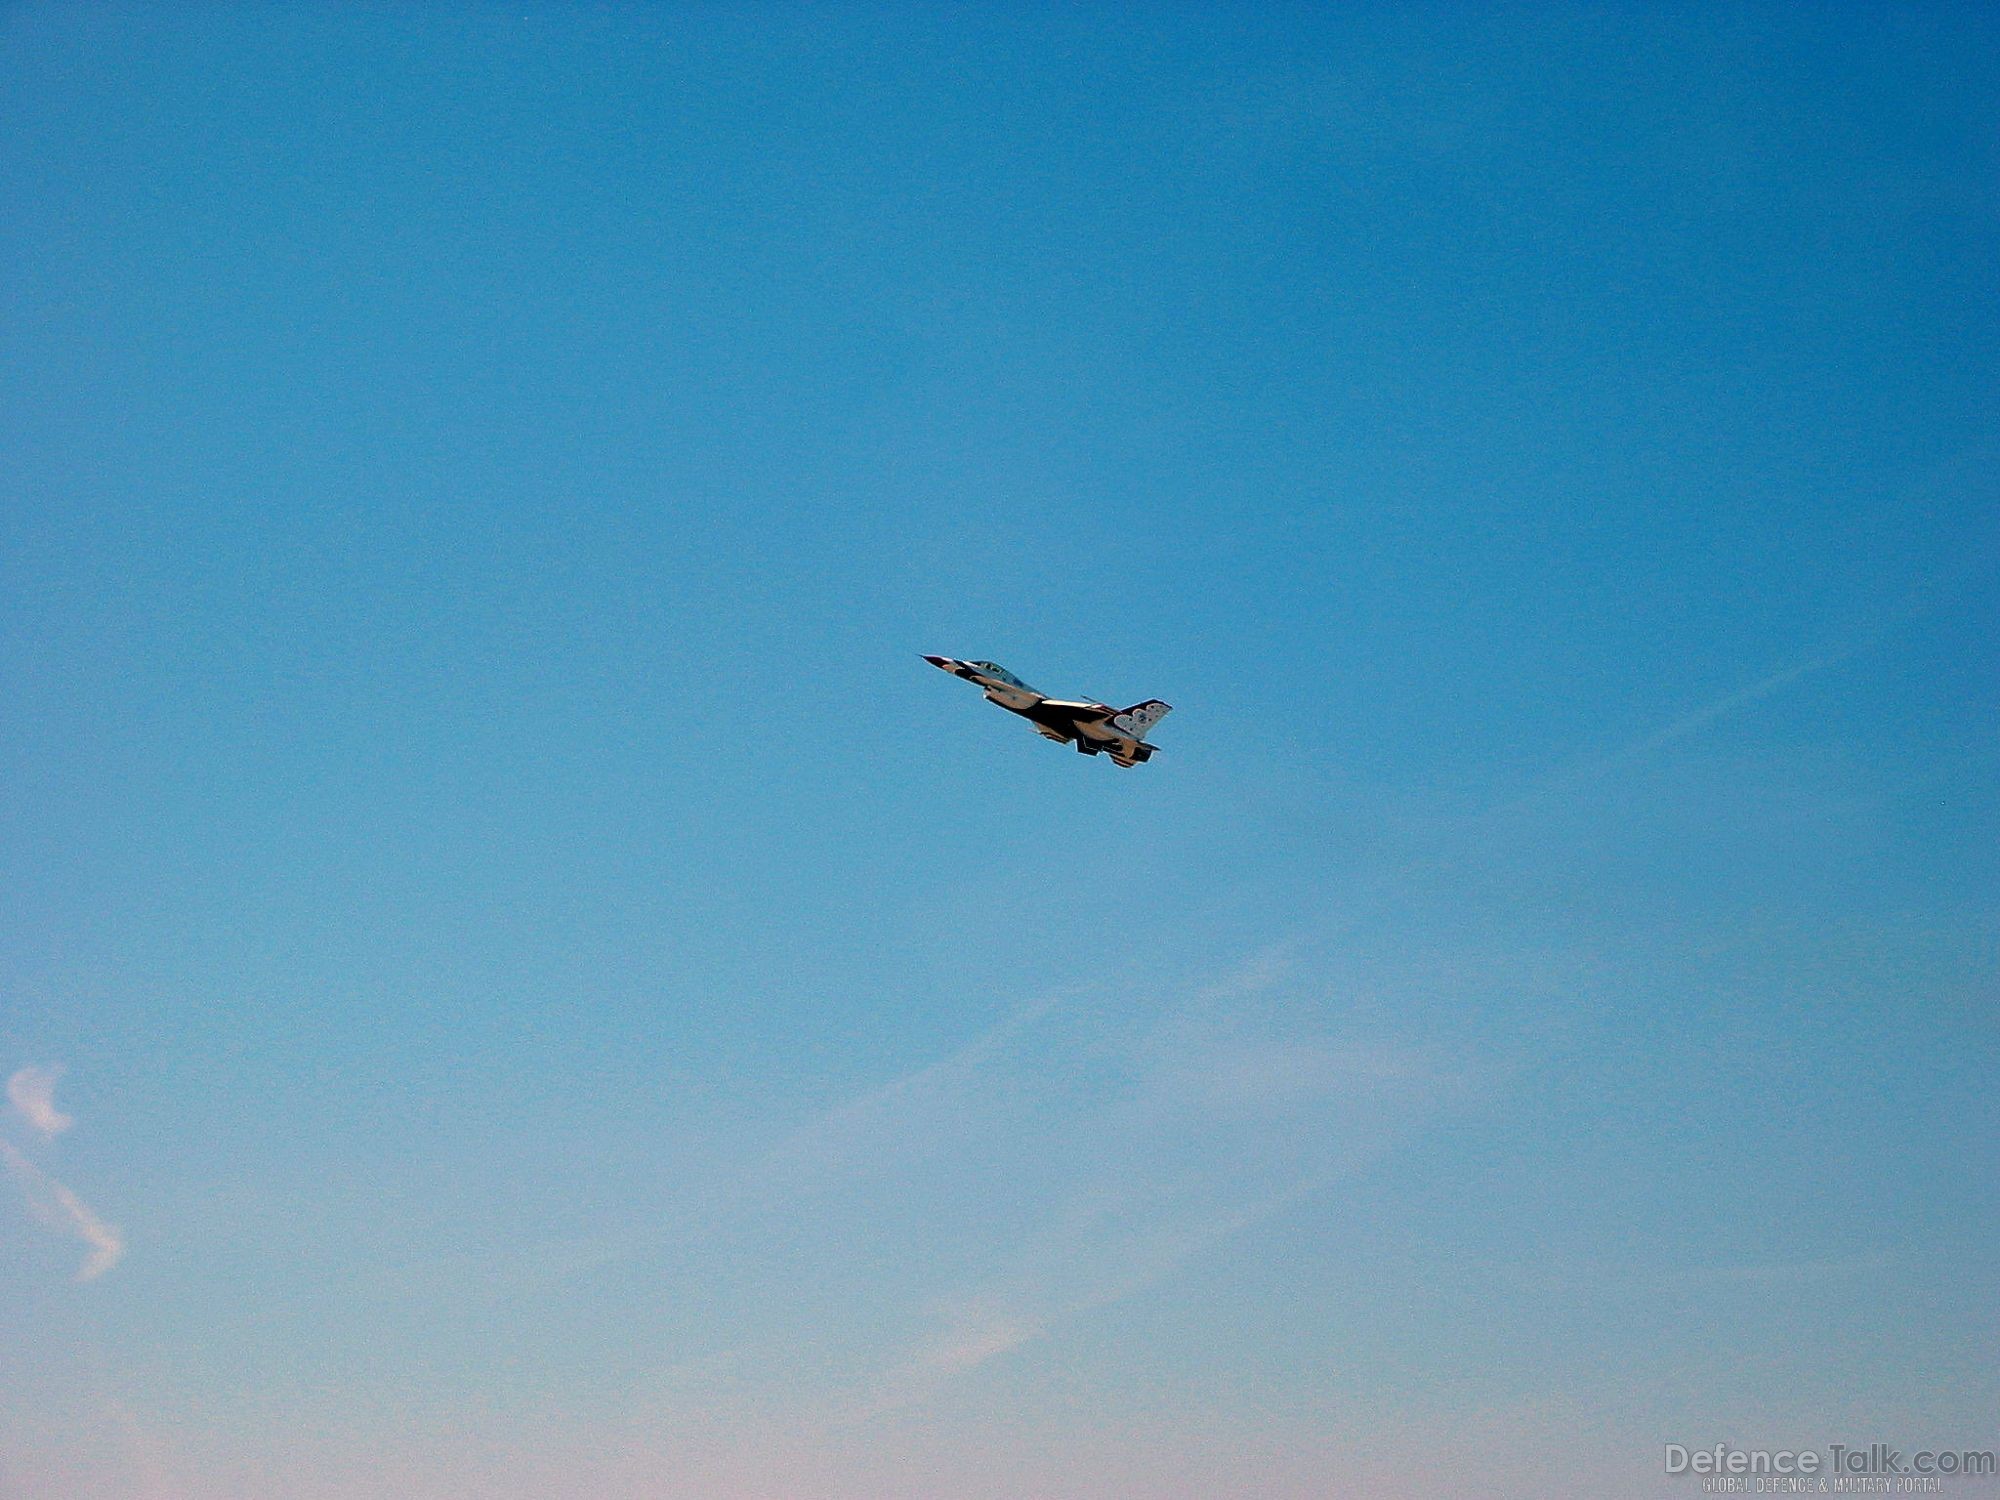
1091, 726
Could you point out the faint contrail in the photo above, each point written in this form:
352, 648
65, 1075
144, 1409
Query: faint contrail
825, 1134
60, 1209
1708, 713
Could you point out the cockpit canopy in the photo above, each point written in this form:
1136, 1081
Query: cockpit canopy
998, 673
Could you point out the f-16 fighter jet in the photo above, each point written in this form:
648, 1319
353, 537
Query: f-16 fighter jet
1094, 728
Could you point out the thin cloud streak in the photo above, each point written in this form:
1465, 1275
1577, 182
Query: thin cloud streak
1763, 688
32, 1091
1567, 778
836, 1137
1220, 1130
1183, 1127
1935, 593
1129, 1267
836, 1133
61, 1210
970, 1339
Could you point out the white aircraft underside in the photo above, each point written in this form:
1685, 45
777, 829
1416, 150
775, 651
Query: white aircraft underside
1094, 728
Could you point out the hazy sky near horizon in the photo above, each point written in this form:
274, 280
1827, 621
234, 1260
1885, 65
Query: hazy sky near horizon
516, 980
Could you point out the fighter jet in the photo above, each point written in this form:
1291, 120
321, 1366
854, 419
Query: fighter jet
1094, 728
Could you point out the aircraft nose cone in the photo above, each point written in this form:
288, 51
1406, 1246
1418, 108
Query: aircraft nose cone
938, 661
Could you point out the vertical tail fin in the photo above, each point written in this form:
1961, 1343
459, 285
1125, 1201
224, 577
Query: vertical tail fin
1141, 717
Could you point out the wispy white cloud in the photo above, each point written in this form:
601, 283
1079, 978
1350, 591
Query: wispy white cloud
969, 1336
1566, 779
918, 1104
1082, 1150
856, 1125
61, 1210
1743, 697
1931, 595
32, 1092
1090, 1260
1216, 1119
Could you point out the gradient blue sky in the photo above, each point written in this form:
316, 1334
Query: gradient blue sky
555, 999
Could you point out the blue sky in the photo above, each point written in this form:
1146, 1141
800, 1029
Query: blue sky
516, 978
